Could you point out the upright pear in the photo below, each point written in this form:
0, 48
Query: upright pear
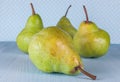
66, 25
90, 40
51, 50
33, 25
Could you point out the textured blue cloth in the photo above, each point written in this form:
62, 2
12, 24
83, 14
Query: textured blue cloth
14, 14
15, 66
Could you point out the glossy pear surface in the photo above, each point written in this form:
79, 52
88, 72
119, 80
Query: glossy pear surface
91, 41
34, 25
51, 50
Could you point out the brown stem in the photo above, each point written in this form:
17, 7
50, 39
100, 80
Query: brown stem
85, 10
67, 10
33, 11
83, 71
87, 74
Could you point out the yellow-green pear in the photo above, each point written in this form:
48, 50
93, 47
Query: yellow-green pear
66, 25
33, 25
90, 40
52, 50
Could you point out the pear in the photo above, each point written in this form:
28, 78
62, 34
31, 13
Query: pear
51, 50
34, 25
66, 25
90, 40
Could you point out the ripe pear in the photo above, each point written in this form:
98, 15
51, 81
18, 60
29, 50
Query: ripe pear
51, 50
90, 40
34, 25
66, 25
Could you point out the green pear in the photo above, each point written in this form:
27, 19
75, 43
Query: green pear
51, 50
34, 25
90, 40
66, 25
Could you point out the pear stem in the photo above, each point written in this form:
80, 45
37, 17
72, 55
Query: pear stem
33, 11
87, 74
67, 10
85, 10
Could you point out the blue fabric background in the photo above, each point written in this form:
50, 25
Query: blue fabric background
14, 13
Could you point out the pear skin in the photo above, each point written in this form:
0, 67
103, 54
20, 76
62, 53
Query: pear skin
91, 41
51, 50
65, 24
33, 25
